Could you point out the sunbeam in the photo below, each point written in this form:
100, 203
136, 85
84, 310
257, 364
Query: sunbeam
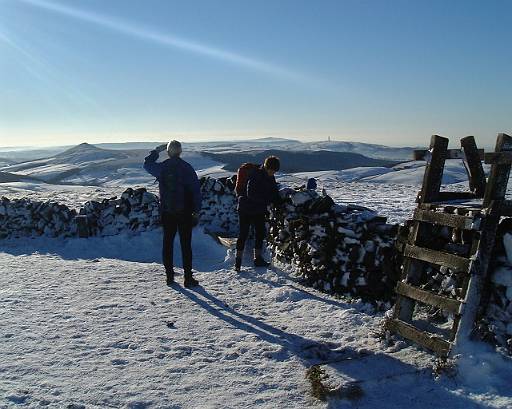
170, 40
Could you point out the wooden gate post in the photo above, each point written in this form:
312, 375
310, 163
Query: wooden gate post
474, 166
433, 176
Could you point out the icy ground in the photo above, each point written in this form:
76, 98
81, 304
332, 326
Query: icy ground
89, 323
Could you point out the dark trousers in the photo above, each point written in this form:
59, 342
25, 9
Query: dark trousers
246, 221
181, 223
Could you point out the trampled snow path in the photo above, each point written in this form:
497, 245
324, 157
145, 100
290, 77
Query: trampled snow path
89, 323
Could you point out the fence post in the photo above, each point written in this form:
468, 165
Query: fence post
434, 171
474, 166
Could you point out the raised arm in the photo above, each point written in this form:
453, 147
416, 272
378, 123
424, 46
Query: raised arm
150, 162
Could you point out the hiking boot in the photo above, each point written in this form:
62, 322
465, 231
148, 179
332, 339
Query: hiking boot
170, 277
190, 281
238, 264
238, 259
260, 262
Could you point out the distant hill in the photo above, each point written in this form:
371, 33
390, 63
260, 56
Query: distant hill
26, 154
299, 161
6, 177
83, 163
6, 162
235, 145
86, 164
367, 149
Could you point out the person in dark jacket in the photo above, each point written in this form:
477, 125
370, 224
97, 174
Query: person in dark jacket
180, 203
261, 190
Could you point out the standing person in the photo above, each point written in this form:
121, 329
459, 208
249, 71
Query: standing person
180, 203
253, 200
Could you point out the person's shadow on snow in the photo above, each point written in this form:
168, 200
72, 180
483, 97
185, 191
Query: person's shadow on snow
291, 344
381, 376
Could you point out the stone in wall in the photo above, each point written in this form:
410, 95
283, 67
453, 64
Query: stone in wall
496, 324
136, 210
334, 248
24, 217
218, 213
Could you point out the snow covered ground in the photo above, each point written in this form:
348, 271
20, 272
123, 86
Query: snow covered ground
90, 323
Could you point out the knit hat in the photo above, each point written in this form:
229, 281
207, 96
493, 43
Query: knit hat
272, 163
174, 148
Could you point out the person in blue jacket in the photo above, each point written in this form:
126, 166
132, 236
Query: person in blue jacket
260, 192
180, 204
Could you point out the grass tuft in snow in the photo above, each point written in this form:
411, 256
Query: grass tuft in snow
321, 389
317, 376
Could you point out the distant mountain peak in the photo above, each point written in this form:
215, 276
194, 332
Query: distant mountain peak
83, 147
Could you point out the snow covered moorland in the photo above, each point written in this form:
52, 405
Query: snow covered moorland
90, 323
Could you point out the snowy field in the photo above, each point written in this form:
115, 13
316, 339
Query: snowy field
90, 323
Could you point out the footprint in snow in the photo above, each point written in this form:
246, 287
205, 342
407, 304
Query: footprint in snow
18, 398
118, 362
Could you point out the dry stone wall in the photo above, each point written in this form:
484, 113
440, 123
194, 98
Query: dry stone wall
23, 217
136, 210
337, 249
495, 321
218, 212
496, 324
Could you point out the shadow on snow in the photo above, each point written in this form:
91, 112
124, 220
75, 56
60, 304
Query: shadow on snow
145, 247
386, 381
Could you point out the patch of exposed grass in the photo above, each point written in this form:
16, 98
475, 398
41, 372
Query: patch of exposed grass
316, 377
321, 390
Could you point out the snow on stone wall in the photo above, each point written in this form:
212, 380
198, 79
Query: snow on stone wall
336, 249
496, 325
24, 217
218, 213
136, 210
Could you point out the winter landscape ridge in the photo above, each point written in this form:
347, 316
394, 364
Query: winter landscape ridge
89, 323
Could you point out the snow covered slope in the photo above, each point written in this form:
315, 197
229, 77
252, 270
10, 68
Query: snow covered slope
366, 149
406, 173
87, 164
89, 323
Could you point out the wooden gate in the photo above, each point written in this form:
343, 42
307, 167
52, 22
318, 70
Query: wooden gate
474, 214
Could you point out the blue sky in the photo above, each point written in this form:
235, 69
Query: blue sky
391, 72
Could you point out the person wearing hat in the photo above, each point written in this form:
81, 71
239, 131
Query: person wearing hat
180, 204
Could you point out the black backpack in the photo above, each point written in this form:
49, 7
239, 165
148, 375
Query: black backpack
172, 187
